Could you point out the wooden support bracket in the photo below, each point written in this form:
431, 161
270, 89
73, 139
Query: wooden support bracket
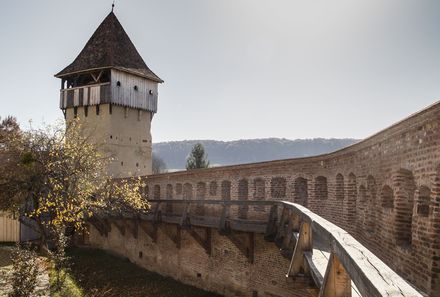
176, 237
282, 226
185, 221
150, 230
271, 229
289, 240
132, 226
304, 244
157, 218
203, 241
98, 226
120, 226
107, 225
245, 242
224, 226
337, 282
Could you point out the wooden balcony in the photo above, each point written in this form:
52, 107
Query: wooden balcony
85, 95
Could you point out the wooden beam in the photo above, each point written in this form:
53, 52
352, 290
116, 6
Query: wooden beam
281, 229
303, 244
203, 241
245, 242
337, 282
98, 226
289, 240
121, 227
185, 221
271, 229
157, 217
175, 237
150, 230
224, 226
132, 226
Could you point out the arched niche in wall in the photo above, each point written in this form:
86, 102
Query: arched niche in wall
362, 204
243, 195
179, 189
278, 188
387, 197
321, 188
156, 192
226, 190
351, 197
300, 191
213, 188
339, 187
259, 192
187, 191
405, 187
423, 201
169, 195
371, 207
200, 195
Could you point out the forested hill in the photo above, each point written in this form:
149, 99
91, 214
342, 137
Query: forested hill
174, 153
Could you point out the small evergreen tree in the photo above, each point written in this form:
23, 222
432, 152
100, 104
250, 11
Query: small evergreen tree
159, 165
197, 159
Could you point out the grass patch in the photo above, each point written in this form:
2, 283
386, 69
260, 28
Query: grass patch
70, 287
96, 273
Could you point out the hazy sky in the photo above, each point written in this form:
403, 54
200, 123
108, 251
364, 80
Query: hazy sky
237, 69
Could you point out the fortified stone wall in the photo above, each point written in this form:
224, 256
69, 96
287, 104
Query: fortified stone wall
226, 271
384, 191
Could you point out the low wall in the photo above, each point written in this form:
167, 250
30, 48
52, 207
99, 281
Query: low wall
226, 271
384, 191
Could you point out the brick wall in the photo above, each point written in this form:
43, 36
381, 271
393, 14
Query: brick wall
384, 191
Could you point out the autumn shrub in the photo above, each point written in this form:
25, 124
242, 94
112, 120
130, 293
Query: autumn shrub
24, 271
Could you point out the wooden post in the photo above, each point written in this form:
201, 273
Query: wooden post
304, 244
185, 220
224, 226
337, 282
271, 229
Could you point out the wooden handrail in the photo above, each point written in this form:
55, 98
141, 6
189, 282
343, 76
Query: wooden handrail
218, 202
371, 276
85, 86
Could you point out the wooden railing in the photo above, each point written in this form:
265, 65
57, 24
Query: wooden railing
348, 261
339, 265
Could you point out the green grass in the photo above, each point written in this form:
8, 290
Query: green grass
70, 287
96, 273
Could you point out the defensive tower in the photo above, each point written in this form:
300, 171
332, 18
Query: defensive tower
114, 93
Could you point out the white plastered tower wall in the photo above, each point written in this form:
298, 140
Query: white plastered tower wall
122, 135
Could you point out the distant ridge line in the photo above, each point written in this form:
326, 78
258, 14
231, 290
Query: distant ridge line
221, 153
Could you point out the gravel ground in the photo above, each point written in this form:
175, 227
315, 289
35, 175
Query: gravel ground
42, 288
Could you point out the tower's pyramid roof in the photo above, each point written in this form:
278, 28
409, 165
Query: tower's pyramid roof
110, 47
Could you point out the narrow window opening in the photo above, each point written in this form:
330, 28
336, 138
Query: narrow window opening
122, 163
110, 109
75, 112
151, 92
135, 88
140, 255
97, 109
111, 136
118, 83
86, 111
